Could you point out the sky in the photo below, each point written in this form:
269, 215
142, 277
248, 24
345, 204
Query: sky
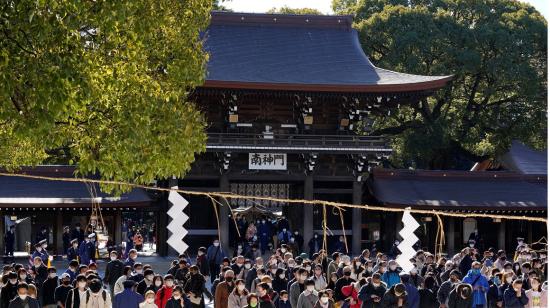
259, 6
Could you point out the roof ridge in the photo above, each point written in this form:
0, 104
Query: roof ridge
279, 19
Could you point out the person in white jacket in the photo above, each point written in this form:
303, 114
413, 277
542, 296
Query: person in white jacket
237, 298
119, 284
149, 301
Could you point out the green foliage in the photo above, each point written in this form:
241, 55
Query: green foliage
498, 54
288, 10
105, 82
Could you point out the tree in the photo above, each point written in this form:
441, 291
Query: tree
498, 54
288, 10
102, 85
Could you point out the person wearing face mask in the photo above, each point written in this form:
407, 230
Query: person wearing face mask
308, 297
396, 296
40, 251
479, 284
537, 297
137, 274
279, 281
195, 287
446, 287
253, 273
128, 297
298, 286
62, 291
494, 297
86, 250
9, 290
72, 251
238, 297
165, 292
40, 272
391, 276
146, 282
22, 299
351, 292
149, 301
283, 301
345, 280
284, 236
202, 262
132, 257
215, 255
23, 276
324, 300
223, 289
319, 278
333, 265
96, 296
315, 244
372, 293
156, 285
78, 294
48, 289
514, 296
113, 271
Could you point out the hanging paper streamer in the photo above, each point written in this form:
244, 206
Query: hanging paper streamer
409, 239
178, 219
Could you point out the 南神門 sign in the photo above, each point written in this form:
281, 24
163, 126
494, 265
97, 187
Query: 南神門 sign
267, 161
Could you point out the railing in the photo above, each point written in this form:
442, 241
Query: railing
298, 142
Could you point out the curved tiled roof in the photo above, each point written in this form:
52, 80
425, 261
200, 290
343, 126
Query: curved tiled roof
298, 52
525, 160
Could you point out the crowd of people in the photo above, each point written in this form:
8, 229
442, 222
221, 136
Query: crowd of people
282, 277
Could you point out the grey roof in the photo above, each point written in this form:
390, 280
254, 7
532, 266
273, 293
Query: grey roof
26, 192
462, 190
299, 50
525, 160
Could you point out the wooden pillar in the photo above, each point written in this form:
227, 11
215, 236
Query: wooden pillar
529, 232
118, 228
502, 235
224, 213
450, 231
58, 234
357, 218
308, 211
2, 231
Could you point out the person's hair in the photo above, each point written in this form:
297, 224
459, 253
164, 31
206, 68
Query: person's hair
137, 264
168, 277
251, 296
32, 289
302, 271
429, 282
73, 263
156, 277
517, 281
335, 255
80, 277
178, 288
321, 293
538, 280
126, 270
132, 251
309, 282
495, 271
113, 252
283, 292
376, 276
95, 285
400, 288
22, 285
52, 269
264, 286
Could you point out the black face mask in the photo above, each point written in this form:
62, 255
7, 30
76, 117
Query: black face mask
347, 274
229, 279
65, 282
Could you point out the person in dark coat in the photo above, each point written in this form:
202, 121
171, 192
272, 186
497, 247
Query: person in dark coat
62, 290
9, 291
195, 286
315, 244
146, 282
86, 250
514, 296
178, 300
47, 293
72, 251
40, 272
66, 239
395, 297
461, 296
343, 281
202, 262
40, 251
128, 298
9, 239
113, 270
372, 293
22, 299
428, 296
214, 255
42, 235
466, 262
77, 233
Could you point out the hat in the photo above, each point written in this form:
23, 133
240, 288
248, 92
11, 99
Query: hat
92, 235
74, 240
42, 242
66, 228
304, 256
128, 283
65, 275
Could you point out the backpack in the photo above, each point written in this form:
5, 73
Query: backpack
103, 294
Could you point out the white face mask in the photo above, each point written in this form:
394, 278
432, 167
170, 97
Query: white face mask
45, 246
169, 284
509, 279
82, 284
324, 299
283, 250
177, 297
23, 277
23, 296
282, 276
150, 300
113, 258
52, 275
149, 277
310, 288
240, 287
139, 271
393, 267
247, 265
158, 283
216, 244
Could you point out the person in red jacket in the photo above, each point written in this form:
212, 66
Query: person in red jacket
351, 293
165, 293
